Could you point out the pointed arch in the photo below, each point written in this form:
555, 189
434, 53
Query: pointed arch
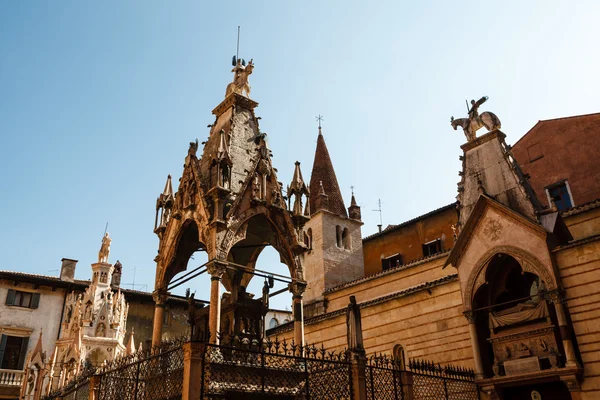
528, 262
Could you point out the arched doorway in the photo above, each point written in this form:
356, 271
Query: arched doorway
515, 326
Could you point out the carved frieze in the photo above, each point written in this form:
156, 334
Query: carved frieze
539, 343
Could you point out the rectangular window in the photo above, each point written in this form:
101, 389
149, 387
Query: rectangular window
12, 352
166, 317
22, 299
432, 247
559, 194
391, 262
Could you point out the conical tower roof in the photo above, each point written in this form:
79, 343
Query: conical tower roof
323, 172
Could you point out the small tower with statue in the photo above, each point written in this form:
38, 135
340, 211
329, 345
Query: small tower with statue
93, 326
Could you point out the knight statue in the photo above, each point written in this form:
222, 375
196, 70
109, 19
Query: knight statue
104, 249
475, 120
240, 78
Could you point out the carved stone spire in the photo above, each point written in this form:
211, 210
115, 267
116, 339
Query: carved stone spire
324, 174
130, 347
354, 209
321, 199
164, 207
297, 189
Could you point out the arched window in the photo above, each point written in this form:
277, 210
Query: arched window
273, 323
346, 239
399, 357
338, 236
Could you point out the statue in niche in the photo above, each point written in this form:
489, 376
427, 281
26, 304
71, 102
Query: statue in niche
69, 314
87, 314
225, 176
475, 121
256, 187
354, 326
104, 249
101, 331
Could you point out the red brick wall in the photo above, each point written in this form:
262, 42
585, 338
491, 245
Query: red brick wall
565, 148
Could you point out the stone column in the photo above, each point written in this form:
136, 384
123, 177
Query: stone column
358, 367
216, 269
470, 315
193, 355
160, 298
297, 289
94, 387
558, 300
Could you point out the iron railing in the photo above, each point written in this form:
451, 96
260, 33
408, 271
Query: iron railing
243, 369
433, 381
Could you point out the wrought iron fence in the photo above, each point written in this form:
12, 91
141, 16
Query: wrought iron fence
273, 369
248, 369
432, 381
155, 374
383, 379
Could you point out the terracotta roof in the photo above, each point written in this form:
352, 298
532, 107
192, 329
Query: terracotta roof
391, 228
577, 242
590, 205
40, 279
323, 172
76, 284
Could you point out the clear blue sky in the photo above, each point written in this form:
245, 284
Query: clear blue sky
99, 100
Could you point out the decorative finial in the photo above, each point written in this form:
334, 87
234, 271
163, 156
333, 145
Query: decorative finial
352, 189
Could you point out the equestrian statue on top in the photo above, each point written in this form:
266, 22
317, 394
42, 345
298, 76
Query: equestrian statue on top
475, 120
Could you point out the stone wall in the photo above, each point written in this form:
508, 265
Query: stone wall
141, 317
579, 268
27, 322
399, 307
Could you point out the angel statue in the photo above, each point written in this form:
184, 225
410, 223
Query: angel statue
475, 121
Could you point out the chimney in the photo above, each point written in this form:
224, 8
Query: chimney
116, 276
67, 270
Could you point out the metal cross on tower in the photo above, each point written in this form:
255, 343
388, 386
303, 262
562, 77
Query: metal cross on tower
319, 118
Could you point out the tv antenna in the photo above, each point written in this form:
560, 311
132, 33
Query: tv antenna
143, 286
379, 210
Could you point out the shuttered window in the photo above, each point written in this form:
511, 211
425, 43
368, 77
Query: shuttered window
22, 299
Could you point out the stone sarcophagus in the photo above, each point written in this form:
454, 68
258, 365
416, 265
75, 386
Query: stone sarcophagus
523, 339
